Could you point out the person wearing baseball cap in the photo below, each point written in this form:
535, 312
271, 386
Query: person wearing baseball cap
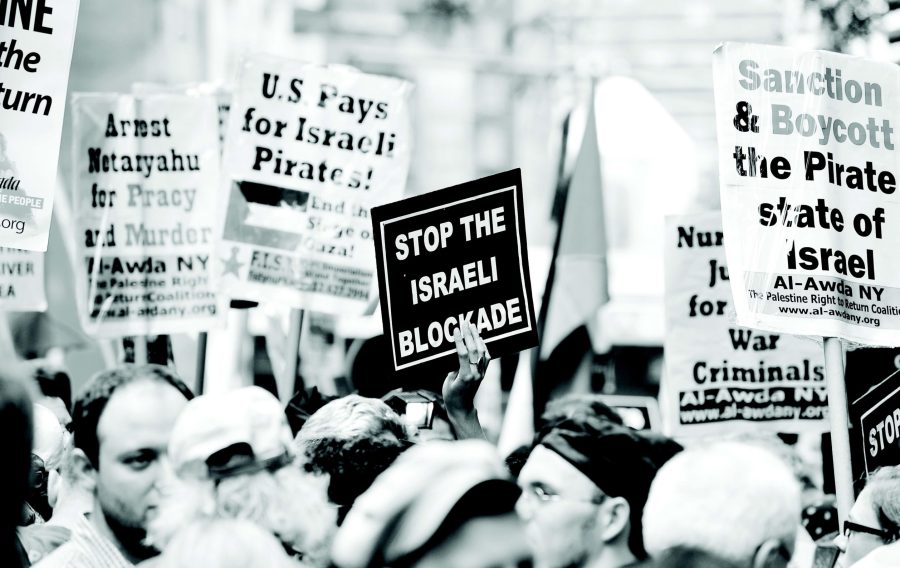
584, 486
233, 456
440, 504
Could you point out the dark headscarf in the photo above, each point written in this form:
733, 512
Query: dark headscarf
619, 460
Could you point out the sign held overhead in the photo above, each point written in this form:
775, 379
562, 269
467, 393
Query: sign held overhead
454, 255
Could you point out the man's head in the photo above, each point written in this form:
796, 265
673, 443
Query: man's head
874, 519
352, 439
584, 486
233, 456
734, 500
122, 422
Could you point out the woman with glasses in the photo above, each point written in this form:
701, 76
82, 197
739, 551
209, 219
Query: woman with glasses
873, 522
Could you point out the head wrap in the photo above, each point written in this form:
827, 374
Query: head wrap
619, 460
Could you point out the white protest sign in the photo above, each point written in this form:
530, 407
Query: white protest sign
808, 166
146, 178
309, 151
720, 377
36, 40
22, 281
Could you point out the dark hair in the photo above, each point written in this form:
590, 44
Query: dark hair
55, 385
15, 422
352, 465
96, 394
685, 557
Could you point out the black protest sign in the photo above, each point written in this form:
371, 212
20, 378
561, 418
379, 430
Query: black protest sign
879, 417
458, 254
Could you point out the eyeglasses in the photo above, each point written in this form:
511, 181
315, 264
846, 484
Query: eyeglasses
851, 527
544, 497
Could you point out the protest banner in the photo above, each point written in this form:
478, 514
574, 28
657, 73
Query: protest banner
22, 281
879, 421
719, 376
458, 254
35, 53
309, 151
146, 178
807, 177
808, 184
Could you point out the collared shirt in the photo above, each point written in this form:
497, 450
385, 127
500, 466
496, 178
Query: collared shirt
87, 549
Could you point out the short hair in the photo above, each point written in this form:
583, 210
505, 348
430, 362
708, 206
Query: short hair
725, 498
353, 417
570, 405
94, 397
884, 488
353, 439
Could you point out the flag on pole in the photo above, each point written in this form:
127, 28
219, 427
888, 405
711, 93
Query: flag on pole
577, 280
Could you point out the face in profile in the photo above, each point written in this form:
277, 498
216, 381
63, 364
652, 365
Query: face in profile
560, 506
856, 543
132, 469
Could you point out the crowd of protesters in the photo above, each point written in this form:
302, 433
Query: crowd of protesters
137, 470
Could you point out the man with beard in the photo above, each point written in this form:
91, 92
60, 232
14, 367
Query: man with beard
122, 422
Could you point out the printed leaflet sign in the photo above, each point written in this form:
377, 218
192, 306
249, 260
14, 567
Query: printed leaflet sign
309, 150
808, 164
146, 175
720, 376
35, 52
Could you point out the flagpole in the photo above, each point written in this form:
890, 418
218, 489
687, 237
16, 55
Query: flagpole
840, 422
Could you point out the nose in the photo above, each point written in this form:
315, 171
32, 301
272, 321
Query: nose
840, 542
524, 507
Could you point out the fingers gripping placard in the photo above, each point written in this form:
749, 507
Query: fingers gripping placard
452, 256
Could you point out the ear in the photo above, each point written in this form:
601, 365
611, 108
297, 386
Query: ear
770, 555
614, 517
83, 470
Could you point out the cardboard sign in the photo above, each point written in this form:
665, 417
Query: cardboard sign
309, 150
22, 281
879, 412
719, 376
35, 52
146, 178
451, 255
808, 170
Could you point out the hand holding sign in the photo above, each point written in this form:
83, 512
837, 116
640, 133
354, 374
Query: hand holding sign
461, 386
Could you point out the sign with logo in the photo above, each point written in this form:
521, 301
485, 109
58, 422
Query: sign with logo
309, 151
720, 376
808, 166
36, 39
147, 174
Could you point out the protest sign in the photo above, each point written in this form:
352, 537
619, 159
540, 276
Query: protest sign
879, 420
309, 150
146, 176
720, 376
36, 40
458, 254
808, 183
22, 281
